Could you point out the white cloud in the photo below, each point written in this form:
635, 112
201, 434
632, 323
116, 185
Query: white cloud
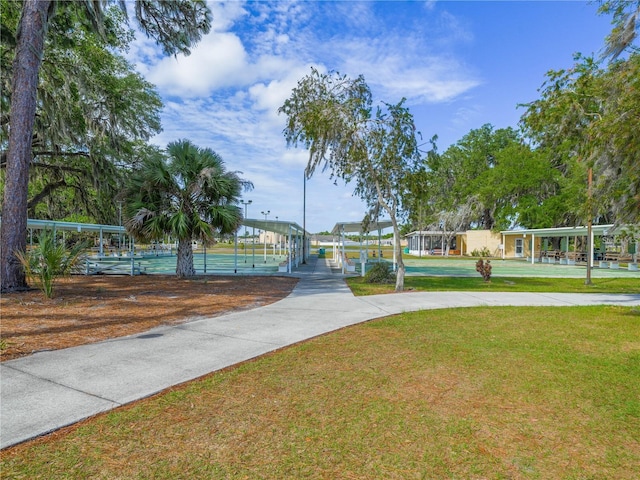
466, 115
399, 67
218, 61
226, 14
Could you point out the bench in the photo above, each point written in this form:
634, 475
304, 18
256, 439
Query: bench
349, 266
615, 259
625, 258
575, 257
112, 267
550, 256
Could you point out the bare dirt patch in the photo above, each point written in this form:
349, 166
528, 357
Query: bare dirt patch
91, 309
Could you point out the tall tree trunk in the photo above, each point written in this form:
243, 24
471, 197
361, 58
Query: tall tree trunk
26, 68
184, 262
398, 249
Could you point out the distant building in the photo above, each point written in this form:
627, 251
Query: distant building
531, 244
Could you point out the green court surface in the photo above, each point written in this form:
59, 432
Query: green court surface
225, 263
509, 268
211, 263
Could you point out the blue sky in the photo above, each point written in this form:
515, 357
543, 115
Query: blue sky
460, 64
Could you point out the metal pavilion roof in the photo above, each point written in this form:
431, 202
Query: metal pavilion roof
434, 233
357, 227
73, 226
276, 226
600, 230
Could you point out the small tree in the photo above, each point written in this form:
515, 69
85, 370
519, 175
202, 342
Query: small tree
49, 261
332, 115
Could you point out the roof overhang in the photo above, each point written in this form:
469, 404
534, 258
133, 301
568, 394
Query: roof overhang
358, 227
281, 227
35, 224
429, 233
598, 230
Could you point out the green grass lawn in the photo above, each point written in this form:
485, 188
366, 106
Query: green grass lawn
498, 284
492, 393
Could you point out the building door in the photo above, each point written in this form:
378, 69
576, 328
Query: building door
519, 247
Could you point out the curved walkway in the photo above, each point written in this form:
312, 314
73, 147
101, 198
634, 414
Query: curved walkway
49, 390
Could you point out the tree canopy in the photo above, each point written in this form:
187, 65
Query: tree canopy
586, 118
94, 115
333, 116
174, 24
187, 194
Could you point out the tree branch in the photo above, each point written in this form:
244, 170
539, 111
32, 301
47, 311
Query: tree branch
46, 191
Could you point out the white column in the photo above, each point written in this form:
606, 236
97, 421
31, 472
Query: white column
265, 246
343, 250
253, 248
289, 266
235, 252
533, 248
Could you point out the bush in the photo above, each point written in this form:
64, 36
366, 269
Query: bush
380, 272
48, 261
484, 269
483, 252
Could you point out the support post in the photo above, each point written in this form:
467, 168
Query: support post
533, 248
587, 281
289, 250
235, 252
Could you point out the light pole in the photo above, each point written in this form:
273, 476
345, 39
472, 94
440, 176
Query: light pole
245, 203
265, 234
278, 237
304, 215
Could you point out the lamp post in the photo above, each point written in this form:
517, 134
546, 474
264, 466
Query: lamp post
277, 236
265, 234
304, 215
245, 203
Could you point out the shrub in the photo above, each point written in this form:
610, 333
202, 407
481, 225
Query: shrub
483, 252
484, 268
48, 261
380, 272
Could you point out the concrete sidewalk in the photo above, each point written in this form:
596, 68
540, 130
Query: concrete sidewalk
49, 390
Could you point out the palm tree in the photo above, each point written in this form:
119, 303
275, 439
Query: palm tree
175, 24
188, 195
